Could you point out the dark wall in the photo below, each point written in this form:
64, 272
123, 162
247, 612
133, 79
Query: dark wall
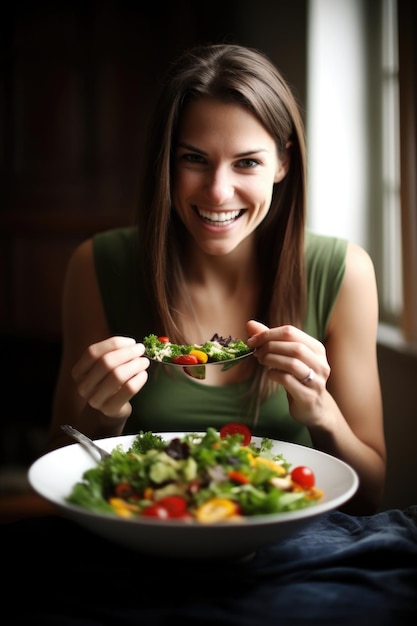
398, 372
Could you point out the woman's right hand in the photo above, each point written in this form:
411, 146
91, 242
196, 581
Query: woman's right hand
110, 373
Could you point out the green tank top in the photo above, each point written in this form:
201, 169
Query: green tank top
171, 401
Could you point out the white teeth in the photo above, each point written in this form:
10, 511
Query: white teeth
225, 217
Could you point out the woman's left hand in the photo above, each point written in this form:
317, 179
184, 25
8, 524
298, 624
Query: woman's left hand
296, 361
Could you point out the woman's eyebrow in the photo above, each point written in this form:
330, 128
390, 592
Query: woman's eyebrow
240, 155
188, 146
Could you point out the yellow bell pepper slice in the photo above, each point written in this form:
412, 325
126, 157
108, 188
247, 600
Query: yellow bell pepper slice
216, 510
201, 356
123, 508
273, 465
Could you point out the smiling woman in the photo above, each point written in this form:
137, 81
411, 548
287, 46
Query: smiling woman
312, 383
221, 246
226, 164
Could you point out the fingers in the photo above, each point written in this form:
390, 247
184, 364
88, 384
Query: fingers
290, 354
110, 373
97, 350
253, 327
118, 403
309, 378
261, 335
294, 385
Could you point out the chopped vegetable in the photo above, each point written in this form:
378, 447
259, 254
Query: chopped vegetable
234, 428
217, 349
216, 510
202, 357
303, 476
167, 507
238, 477
185, 359
203, 477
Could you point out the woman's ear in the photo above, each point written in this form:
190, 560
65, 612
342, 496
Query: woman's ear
284, 161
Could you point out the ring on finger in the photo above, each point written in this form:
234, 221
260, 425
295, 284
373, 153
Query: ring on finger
310, 376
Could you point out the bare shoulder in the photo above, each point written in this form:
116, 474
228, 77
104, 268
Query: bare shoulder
81, 258
80, 275
359, 262
357, 303
359, 282
83, 323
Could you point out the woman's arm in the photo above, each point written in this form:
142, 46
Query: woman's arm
354, 384
98, 375
341, 406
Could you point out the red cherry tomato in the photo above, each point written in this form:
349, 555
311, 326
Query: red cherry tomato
234, 428
303, 476
175, 505
185, 359
163, 339
167, 508
156, 510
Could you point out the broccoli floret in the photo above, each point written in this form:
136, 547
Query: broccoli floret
163, 351
219, 352
147, 441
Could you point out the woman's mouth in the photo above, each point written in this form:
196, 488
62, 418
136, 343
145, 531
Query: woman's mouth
218, 218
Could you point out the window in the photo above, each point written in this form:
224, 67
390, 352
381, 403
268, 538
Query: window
407, 46
361, 139
390, 269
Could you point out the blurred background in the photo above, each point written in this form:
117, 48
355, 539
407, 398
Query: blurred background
78, 80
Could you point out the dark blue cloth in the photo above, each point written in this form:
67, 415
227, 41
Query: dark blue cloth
341, 570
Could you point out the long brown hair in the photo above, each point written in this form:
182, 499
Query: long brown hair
231, 73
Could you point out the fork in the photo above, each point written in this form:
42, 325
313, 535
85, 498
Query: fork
83, 439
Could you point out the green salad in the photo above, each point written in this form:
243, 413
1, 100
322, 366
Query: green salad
208, 477
217, 349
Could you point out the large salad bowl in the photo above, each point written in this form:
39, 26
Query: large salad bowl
54, 475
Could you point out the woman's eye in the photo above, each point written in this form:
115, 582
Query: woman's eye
247, 163
193, 158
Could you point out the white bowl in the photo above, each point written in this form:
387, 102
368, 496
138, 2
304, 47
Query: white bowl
54, 475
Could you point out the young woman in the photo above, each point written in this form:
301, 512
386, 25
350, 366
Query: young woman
221, 246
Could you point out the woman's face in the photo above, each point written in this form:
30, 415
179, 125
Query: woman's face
225, 166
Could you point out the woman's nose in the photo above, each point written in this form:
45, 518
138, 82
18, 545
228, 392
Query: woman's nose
220, 187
